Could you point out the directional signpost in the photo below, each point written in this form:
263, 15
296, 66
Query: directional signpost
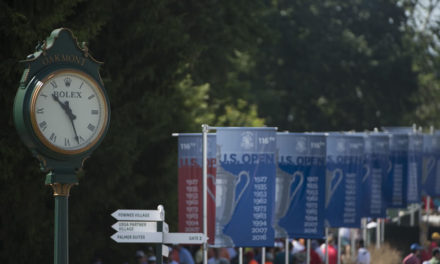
148, 226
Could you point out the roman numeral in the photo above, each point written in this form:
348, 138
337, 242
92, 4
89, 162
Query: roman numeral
53, 138
54, 84
91, 127
91, 96
40, 111
81, 139
45, 96
94, 112
43, 125
66, 142
81, 85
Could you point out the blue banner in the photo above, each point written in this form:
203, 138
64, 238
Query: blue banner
345, 161
300, 185
377, 165
245, 186
397, 177
415, 148
431, 151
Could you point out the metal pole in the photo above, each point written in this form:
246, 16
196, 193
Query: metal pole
339, 247
378, 233
364, 231
412, 216
263, 255
308, 252
240, 255
326, 245
61, 233
382, 233
205, 130
159, 255
286, 250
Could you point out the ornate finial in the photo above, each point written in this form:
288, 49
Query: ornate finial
85, 49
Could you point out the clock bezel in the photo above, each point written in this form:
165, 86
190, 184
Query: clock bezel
32, 112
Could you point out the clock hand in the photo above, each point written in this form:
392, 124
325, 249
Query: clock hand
68, 112
71, 117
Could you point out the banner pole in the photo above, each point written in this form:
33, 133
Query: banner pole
286, 249
364, 231
205, 130
326, 245
240, 255
308, 252
382, 233
339, 247
263, 255
378, 233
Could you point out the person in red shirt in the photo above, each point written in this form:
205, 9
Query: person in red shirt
414, 256
332, 252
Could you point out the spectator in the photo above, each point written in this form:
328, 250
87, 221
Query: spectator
182, 255
315, 247
141, 258
435, 257
250, 257
363, 256
269, 258
332, 252
414, 256
152, 260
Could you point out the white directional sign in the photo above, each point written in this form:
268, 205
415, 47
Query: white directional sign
138, 237
138, 215
132, 226
184, 238
165, 251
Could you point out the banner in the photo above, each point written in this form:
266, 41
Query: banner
397, 177
245, 187
190, 182
376, 168
431, 151
345, 160
415, 148
300, 185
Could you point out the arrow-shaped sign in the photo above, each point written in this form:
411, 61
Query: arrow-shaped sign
184, 238
165, 251
138, 215
138, 237
132, 226
159, 237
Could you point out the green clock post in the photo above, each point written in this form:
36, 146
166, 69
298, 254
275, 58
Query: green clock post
62, 113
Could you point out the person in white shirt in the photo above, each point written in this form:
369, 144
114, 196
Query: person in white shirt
363, 256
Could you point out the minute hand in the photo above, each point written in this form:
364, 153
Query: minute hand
71, 117
68, 112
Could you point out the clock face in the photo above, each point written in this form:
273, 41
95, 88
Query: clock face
68, 111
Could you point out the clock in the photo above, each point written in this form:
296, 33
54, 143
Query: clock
68, 111
61, 109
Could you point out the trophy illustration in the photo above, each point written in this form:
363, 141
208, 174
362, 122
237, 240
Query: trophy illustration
225, 201
428, 166
330, 177
367, 172
283, 197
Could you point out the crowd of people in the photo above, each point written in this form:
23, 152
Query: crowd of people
273, 255
425, 255
178, 254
